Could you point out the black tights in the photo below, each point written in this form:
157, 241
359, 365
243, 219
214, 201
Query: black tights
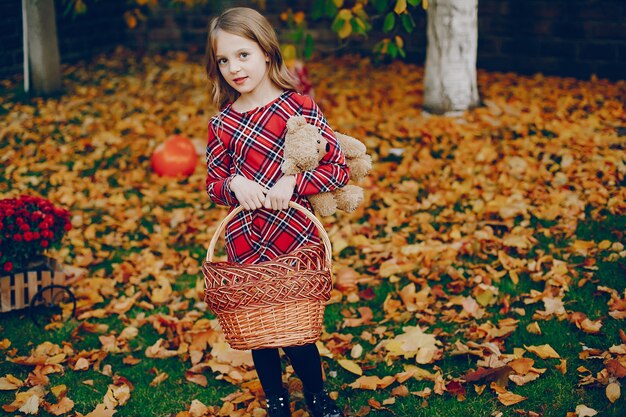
305, 360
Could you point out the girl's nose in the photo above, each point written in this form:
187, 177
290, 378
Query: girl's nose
234, 68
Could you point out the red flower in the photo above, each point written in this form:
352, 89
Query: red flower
8, 266
68, 226
29, 225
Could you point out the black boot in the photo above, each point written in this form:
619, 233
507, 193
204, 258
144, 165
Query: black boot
278, 405
321, 405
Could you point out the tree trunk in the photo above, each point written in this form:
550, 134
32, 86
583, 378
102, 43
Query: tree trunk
450, 74
44, 63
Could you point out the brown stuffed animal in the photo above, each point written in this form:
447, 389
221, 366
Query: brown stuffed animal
305, 147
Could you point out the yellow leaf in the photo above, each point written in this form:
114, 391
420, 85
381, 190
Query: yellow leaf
158, 379
413, 342
197, 409
31, 406
613, 392
62, 407
372, 382
533, 328
338, 3
425, 4
508, 398
543, 351
116, 395
82, 364
350, 366
400, 6
157, 351
344, 14
389, 401
345, 30
591, 327
10, 382
101, 410
524, 379
289, 52
584, 411
162, 293
392, 267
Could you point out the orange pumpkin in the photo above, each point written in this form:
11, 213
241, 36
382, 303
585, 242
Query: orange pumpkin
175, 157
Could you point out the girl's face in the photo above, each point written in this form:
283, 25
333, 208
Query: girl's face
241, 61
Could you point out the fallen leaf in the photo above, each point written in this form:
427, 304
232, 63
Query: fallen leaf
613, 392
158, 379
509, 398
533, 328
31, 405
10, 382
350, 366
197, 409
100, 411
543, 351
372, 382
414, 343
584, 411
64, 406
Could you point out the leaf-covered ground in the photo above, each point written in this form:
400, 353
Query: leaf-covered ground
483, 276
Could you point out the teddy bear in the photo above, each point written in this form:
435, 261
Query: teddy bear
305, 147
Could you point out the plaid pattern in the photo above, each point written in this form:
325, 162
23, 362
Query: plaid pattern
251, 144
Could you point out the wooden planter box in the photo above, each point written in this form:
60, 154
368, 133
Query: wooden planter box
18, 288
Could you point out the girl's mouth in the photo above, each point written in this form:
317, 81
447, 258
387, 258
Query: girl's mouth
240, 80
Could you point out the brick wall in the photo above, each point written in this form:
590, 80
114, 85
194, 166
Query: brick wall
100, 30
560, 37
564, 37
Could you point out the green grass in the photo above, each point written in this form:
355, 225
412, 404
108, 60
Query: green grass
552, 394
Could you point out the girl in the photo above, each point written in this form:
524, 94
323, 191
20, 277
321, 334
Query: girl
255, 93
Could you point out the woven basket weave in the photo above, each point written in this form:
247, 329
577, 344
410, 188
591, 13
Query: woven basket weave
271, 304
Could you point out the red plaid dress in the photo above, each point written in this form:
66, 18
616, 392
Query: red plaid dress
252, 144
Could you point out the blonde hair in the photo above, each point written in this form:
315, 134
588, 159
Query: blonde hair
250, 24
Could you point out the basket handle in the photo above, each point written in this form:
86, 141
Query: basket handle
301, 209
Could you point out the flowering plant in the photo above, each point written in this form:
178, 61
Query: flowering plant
28, 226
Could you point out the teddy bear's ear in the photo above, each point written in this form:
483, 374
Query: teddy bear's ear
295, 122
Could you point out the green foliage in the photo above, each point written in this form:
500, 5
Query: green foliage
361, 18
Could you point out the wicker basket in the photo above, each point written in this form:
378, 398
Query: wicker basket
271, 304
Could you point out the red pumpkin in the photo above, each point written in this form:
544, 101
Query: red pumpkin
174, 157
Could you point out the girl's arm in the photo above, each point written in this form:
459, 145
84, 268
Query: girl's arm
332, 171
218, 179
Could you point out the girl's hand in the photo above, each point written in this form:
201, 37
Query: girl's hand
249, 194
279, 195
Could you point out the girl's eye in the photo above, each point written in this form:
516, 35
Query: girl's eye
244, 54
221, 61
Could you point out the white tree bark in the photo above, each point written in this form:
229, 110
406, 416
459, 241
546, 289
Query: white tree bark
44, 63
450, 74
